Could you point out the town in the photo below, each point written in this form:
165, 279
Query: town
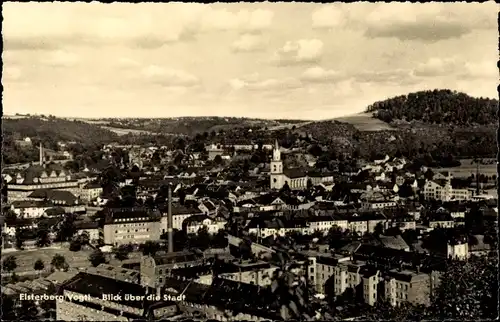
268, 242
249, 161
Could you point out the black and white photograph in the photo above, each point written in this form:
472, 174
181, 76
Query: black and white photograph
265, 161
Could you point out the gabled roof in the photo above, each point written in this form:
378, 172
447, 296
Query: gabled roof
54, 195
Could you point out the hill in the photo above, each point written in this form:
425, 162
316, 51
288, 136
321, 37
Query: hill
55, 129
438, 125
365, 122
49, 131
437, 107
193, 125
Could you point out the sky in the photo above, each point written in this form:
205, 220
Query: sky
263, 60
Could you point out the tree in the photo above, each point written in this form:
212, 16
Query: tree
379, 229
9, 264
218, 160
291, 291
121, 252
42, 237
19, 239
28, 311
468, 290
59, 262
75, 245
39, 265
150, 248
97, 257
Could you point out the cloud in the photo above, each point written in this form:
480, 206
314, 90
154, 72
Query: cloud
299, 52
320, 75
483, 69
254, 83
245, 20
429, 22
169, 77
97, 24
125, 62
439, 67
60, 58
248, 43
328, 16
11, 74
394, 77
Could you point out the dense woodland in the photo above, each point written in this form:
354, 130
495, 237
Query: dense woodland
437, 107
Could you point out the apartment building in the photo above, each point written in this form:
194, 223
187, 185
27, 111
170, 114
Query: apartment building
131, 226
403, 285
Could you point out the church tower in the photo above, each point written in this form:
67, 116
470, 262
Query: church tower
277, 178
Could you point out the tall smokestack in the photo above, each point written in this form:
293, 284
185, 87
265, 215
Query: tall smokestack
41, 154
170, 222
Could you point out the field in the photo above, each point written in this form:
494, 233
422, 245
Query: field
467, 168
121, 132
365, 122
25, 259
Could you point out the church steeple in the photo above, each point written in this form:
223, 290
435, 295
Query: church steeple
276, 152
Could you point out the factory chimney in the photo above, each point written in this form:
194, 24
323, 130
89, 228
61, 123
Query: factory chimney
41, 154
170, 221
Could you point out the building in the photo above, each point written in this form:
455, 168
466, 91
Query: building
179, 214
155, 269
402, 285
115, 272
30, 208
92, 297
90, 192
91, 228
324, 223
196, 222
297, 179
40, 176
447, 190
257, 273
131, 226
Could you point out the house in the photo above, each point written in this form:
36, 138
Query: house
89, 227
30, 208
324, 223
57, 197
196, 222
179, 215
90, 192
207, 207
365, 222
11, 227
277, 227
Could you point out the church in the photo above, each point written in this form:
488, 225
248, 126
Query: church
297, 179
